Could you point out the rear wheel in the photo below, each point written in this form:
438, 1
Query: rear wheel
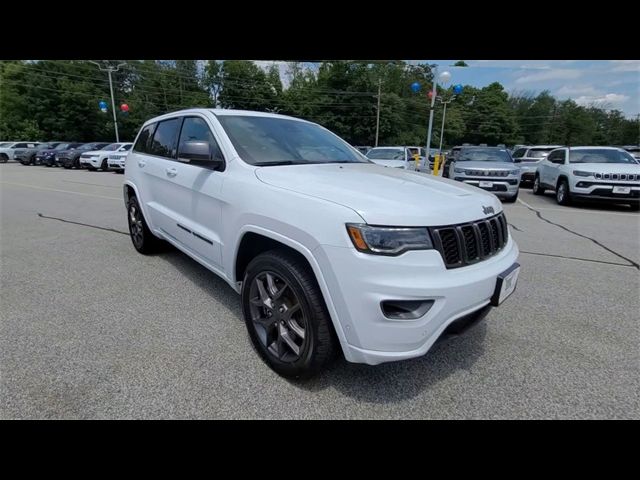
3, 158
286, 316
563, 195
537, 188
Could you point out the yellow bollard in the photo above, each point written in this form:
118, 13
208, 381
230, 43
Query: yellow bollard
416, 157
436, 164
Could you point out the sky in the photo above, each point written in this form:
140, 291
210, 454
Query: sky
612, 84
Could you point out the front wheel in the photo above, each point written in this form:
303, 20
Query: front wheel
563, 195
511, 199
286, 316
103, 166
537, 188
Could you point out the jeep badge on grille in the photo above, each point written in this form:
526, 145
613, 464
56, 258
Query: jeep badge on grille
487, 210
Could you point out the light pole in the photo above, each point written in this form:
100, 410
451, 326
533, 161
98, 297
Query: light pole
110, 69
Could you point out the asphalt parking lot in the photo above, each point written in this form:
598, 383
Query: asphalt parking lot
91, 329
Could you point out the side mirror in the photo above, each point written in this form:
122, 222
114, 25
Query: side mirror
199, 153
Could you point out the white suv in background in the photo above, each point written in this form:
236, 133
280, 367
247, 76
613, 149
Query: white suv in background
116, 161
590, 173
528, 159
396, 157
328, 250
98, 159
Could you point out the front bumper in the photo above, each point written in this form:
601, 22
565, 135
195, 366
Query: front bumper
90, 162
115, 164
359, 282
501, 187
587, 189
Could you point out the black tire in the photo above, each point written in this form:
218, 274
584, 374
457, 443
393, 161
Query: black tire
68, 167
634, 206
563, 194
91, 169
4, 158
143, 240
318, 347
536, 188
104, 165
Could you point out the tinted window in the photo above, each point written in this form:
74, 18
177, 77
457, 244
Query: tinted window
600, 155
273, 140
24, 145
112, 147
519, 153
196, 129
144, 139
165, 138
484, 155
386, 154
125, 148
539, 152
556, 157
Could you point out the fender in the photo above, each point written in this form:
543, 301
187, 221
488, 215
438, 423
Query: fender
308, 255
129, 183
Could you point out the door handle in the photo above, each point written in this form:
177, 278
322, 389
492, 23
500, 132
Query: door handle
171, 172
141, 163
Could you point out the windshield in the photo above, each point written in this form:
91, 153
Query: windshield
600, 155
484, 155
386, 154
126, 147
6, 144
112, 147
45, 146
281, 141
539, 152
63, 146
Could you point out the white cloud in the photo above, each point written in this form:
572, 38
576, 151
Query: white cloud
625, 65
608, 98
571, 90
549, 74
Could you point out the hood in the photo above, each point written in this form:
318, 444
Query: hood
606, 167
385, 196
390, 163
93, 152
487, 165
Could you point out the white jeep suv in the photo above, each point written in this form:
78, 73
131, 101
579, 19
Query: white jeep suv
99, 159
328, 250
590, 173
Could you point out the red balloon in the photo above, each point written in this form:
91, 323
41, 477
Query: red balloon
124, 107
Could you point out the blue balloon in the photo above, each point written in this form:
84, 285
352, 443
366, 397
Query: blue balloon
458, 89
102, 105
415, 86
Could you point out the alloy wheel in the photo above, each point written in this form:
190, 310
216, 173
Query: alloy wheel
135, 225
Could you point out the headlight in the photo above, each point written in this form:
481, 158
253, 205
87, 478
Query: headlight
514, 172
580, 173
388, 240
459, 170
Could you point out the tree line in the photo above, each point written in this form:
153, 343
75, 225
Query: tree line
58, 100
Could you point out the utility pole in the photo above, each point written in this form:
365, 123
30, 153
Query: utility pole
378, 112
113, 102
433, 102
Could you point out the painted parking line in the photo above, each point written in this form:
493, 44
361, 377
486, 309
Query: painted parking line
575, 210
62, 191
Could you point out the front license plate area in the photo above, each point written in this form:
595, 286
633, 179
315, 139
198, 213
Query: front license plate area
505, 284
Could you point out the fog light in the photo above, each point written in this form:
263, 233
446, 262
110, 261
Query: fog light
405, 309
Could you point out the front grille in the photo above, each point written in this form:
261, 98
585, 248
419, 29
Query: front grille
487, 173
618, 176
472, 242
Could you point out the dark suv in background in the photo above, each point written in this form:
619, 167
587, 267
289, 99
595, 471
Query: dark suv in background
71, 158
28, 155
48, 156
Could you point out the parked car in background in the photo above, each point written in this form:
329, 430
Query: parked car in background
363, 149
118, 159
329, 251
28, 156
453, 153
634, 150
8, 149
396, 157
71, 158
98, 159
608, 174
528, 158
489, 168
47, 157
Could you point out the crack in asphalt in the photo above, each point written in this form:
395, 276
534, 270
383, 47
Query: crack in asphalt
537, 212
578, 258
514, 227
84, 224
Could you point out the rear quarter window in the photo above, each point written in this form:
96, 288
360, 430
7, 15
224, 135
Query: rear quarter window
144, 139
